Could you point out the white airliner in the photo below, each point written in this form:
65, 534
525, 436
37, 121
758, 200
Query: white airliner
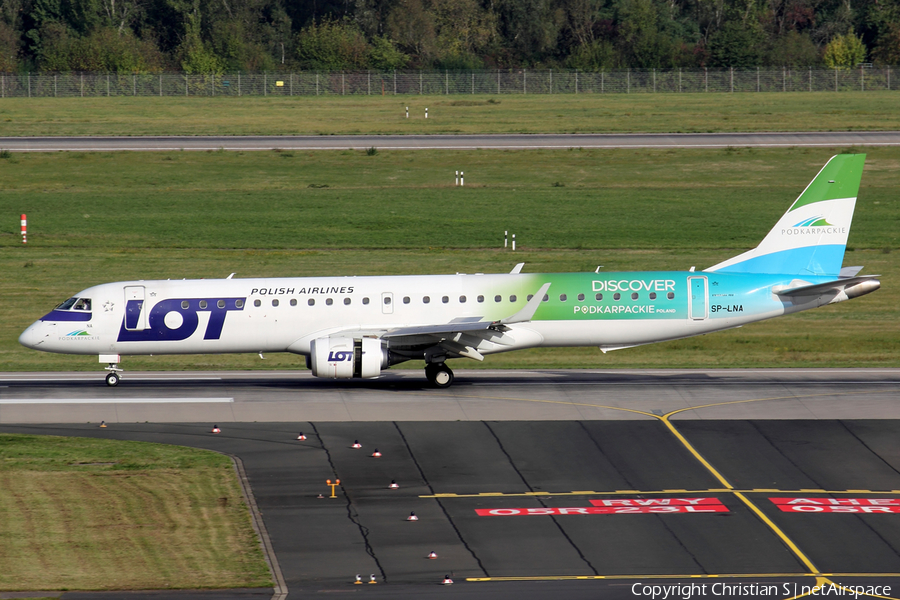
355, 327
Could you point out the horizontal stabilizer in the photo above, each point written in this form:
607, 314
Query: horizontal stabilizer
832, 286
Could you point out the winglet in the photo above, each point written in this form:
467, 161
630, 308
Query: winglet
517, 269
529, 309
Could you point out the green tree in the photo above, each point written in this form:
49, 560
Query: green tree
737, 45
333, 45
385, 55
793, 49
844, 52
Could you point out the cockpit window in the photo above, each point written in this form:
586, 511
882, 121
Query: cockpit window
67, 304
83, 304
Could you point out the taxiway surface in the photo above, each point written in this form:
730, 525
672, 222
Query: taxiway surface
457, 142
579, 484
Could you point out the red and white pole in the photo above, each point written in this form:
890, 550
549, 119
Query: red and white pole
24, 229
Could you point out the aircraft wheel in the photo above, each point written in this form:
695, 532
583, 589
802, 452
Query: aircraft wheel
439, 375
112, 379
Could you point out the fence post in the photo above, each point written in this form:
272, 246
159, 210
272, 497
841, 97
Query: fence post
266, 83
654, 80
498, 82
368, 82
54, 85
395, 82
889, 77
212, 85
524, 81
783, 79
757, 79
810, 79
551, 81
317, 83
732, 80
291, 84
862, 80
679, 80
160, 85
29, 84
602, 82
835, 79
473, 82
133, 84
185, 84
705, 79
82, 85
447, 82
628, 81
576, 81
2, 86
107, 85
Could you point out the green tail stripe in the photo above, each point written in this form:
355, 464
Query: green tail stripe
845, 170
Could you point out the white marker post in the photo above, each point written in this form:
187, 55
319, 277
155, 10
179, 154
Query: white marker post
514, 242
24, 230
426, 112
462, 179
407, 112
457, 178
506, 239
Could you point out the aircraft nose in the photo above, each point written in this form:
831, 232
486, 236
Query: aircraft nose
29, 337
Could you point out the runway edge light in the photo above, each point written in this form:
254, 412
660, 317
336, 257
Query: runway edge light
394, 485
412, 517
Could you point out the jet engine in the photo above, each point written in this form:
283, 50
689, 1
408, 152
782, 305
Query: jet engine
347, 358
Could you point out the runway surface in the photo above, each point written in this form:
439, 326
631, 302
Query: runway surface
576, 484
458, 142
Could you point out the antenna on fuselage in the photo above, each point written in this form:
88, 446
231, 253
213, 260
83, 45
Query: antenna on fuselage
230, 276
597, 270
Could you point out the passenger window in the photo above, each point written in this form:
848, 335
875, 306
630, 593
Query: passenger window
329, 301
387, 299
312, 302
653, 295
257, 303
83, 304
405, 299
529, 297
346, 301
220, 304
512, 298
274, 301
634, 296
599, 296
617, 296
581, 297
239, 303
481, 298
426, 300
293, 302
462, 299
670, 295
445, 299
365, 300
546, 297
563, 297
185, 304
497, 298
203, 304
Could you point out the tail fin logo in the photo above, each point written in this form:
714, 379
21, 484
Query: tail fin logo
818, 221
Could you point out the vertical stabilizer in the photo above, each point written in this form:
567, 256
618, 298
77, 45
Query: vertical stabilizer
811, 237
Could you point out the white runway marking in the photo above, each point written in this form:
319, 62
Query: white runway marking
111, 400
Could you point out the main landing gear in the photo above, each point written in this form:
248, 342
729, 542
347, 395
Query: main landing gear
439, 375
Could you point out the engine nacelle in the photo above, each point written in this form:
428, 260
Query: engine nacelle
347, 358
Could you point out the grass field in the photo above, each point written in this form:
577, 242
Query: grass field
97, 217
175, 517
583, 113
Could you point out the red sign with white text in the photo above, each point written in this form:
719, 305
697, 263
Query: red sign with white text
839, 505
618, 506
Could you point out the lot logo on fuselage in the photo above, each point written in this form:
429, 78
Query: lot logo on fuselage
176, 319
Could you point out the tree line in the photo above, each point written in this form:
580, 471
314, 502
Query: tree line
208, 36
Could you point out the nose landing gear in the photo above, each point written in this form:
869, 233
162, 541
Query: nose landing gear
113, 377
439, 375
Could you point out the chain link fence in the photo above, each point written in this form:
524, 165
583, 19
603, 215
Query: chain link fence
516, 81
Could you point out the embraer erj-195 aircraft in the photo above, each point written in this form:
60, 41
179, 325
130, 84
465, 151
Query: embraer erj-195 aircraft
354, 327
